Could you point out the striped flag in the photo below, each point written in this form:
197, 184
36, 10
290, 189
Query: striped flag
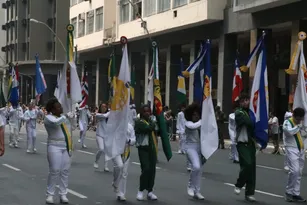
40, 83
84, 87
237, 84
181, 90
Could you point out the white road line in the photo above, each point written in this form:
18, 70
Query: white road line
140, 164
266, 167
258, 191
75, 193
44, 142
11, 167
90, 153
90, 139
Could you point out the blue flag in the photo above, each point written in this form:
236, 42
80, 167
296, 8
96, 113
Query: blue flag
14, 98
40, 83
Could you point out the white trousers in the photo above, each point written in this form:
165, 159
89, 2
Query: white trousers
13, 134
59, 164
296, 161
194, 156
31, 138
286, 164
120, 174
100, 144
82, 136
233, 155
182, 142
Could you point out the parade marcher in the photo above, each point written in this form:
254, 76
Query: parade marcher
3, 117
288, 115
147, 151
232, 134
192, 115
101, 118
121, 164
293, 133
220, 117
14, 121
58, 129
132, 115
274, 129
180, 125
84, 116
246, 147
30, 117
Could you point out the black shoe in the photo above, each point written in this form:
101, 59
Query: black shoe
289, 197
299, 199
235, 161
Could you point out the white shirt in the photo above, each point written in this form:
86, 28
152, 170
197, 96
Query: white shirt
101, 124
54, 130
232, 127
131, 135
15, 115
84, 115
192, 131
289, 132
30, 117
3, 116
132, 116
273, 121
180, 124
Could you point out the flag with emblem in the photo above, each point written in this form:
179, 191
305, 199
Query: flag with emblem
158, 107
112, 76
40, 83
181, 90
300, 96
209, 131
117, 125
84, 86
237, 83
259, 102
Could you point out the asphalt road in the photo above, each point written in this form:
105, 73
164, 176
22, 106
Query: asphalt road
23, 178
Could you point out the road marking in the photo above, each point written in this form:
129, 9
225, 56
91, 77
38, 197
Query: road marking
266, 167
44, 143
11, 167
75, 193
91, 139
258, 191
140, 164
90, 153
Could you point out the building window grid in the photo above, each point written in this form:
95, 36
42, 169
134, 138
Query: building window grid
73, 21
150, 7
99, 19
138, 8
177, 3
164, 5
73, 2
81, 27
90, 22
124, 11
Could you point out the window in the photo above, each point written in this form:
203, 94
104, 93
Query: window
164, 5
124, 11
81, 26
191, 1
99, 19
74, 23
137, 9
73, 2
177, 3
90, 22
150, 7
80, 1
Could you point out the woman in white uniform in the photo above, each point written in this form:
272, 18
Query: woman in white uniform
121, 164
84, 116
192, 130
101, 119
14, 117
58, 129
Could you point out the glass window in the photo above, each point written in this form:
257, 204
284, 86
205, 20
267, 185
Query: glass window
191, 1
124, 11
80, 1
137, 9
90, 22
99, 19
164, 5
150, 7
74, 23
81, 27
177, 3
73, 2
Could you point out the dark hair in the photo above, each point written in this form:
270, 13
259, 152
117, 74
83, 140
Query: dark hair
190, 110
99, 109
244, 96
182, 105
298, 112
50, 104
142, 109
235, 105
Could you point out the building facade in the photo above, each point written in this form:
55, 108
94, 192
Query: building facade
178, 26
25, 38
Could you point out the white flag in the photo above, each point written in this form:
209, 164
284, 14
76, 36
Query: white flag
119, 115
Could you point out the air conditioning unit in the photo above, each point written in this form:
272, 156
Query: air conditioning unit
4, 27
3, 49
24, 22
4, 5
50, 22
24, 1
12, 1
82, 16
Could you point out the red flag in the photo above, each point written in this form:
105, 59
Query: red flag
84, 87
237, 85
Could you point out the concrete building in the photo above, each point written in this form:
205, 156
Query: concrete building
2, 40
178, 26
25, 39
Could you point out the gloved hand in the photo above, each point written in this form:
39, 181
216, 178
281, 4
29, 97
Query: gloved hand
70, 115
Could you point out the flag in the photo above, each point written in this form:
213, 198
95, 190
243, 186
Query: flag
259, 103
199, 83
10, 83
2, 98
209, 131
133, 84
40, 83
181, 90
14, 96
112, 76
118, 119
237, 84
158, 107
150, 88
84, 86
56, 90
300, 96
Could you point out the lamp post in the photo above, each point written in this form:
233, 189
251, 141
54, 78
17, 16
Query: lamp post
52, 31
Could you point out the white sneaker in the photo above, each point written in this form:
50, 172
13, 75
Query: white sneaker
286, 168
250, 198
151, 196
179, 152
63, 199
140, 196
11, 145
79, 140
49, 200
190, 192
106, 168
199, 196
121, 198
84, 146
237, 190
28, 151
16, 145
34, 150
96, 166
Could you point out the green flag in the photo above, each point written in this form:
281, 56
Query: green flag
158, 107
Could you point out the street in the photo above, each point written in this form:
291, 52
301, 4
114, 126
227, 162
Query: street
23, 177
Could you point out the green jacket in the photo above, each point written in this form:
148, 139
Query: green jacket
243, 119
143, 132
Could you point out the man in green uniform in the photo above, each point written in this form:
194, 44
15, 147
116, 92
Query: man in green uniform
245, 133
